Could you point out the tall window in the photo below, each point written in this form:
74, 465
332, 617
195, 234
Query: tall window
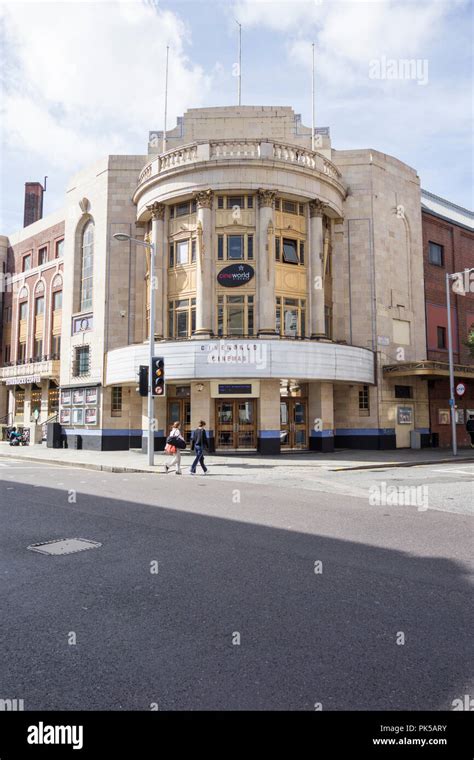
291, 317
39, 306
441, 332
23, 311
87, 264
289, 250
364, 409
116, 401
81, 364
235, 316
435, 254
57, 300
59, 250
182, 318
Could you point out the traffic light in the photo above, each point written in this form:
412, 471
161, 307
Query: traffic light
158, 376
143, 380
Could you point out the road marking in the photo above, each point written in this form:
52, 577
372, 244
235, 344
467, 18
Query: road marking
458, 472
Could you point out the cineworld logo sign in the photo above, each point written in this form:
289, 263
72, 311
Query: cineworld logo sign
235, 274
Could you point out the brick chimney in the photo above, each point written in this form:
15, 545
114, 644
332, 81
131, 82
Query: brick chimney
33, 203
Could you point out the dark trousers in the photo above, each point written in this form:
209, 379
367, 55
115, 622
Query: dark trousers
472, 437
199, 459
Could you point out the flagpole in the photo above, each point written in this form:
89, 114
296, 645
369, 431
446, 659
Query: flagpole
239, 80
166, 98
312, 103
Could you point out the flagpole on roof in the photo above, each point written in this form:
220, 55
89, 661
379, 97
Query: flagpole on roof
312, 103
239, 79
166, 98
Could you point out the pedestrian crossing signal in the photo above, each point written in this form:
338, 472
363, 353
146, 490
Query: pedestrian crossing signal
143, 380
158, 376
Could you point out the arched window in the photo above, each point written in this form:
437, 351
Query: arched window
87, 266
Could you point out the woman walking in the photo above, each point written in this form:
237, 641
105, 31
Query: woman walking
175, 439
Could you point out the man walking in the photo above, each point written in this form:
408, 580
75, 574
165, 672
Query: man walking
470, 428
199, 443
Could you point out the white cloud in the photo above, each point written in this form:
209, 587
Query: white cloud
87, 79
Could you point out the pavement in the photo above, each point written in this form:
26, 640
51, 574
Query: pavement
286, 463
206, 594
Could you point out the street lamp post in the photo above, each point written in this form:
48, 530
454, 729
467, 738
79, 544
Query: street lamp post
151, 415
454, 442
452, 398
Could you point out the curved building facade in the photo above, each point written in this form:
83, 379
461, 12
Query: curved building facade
286, 279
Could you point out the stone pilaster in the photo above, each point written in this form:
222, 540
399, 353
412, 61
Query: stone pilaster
266, 264
204, 201
321, 416
316, 212
157, 235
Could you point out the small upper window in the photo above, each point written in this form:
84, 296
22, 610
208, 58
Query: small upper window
289, 207
435, 254
59, 250
403, 391
23, 311
441, 333
42, 255
26, 263
290, 252
235, 200
182, 209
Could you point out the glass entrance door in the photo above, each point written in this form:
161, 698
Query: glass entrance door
236, 427
180, 409
293, 423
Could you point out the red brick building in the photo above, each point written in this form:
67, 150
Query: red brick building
448, 247
31, 317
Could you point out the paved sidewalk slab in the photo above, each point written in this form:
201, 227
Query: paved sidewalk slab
303, 462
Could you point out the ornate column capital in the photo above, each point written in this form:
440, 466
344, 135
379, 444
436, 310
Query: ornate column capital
316, 208
157, 211
204, 198
266, 198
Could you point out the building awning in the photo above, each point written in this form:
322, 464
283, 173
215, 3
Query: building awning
428, 369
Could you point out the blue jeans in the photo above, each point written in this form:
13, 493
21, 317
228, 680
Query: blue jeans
199, 459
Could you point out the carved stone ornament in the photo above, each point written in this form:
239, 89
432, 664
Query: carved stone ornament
266, 198
157, 211
204, 199
84, 205
316, 208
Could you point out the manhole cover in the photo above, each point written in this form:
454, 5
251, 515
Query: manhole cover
64, 546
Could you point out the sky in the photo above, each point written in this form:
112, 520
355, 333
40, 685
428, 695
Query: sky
80, 80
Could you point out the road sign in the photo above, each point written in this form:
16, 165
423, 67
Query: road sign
460, 389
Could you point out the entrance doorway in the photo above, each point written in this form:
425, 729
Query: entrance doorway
179, 409
293, 423
236, 424
403, 426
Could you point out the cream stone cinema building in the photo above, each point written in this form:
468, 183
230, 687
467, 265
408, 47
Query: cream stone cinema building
287, 279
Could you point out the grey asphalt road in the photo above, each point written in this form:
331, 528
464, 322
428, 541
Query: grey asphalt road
266, 596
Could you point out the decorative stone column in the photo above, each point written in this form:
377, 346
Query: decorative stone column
203, 264
316, 212
266, 264
157, 233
